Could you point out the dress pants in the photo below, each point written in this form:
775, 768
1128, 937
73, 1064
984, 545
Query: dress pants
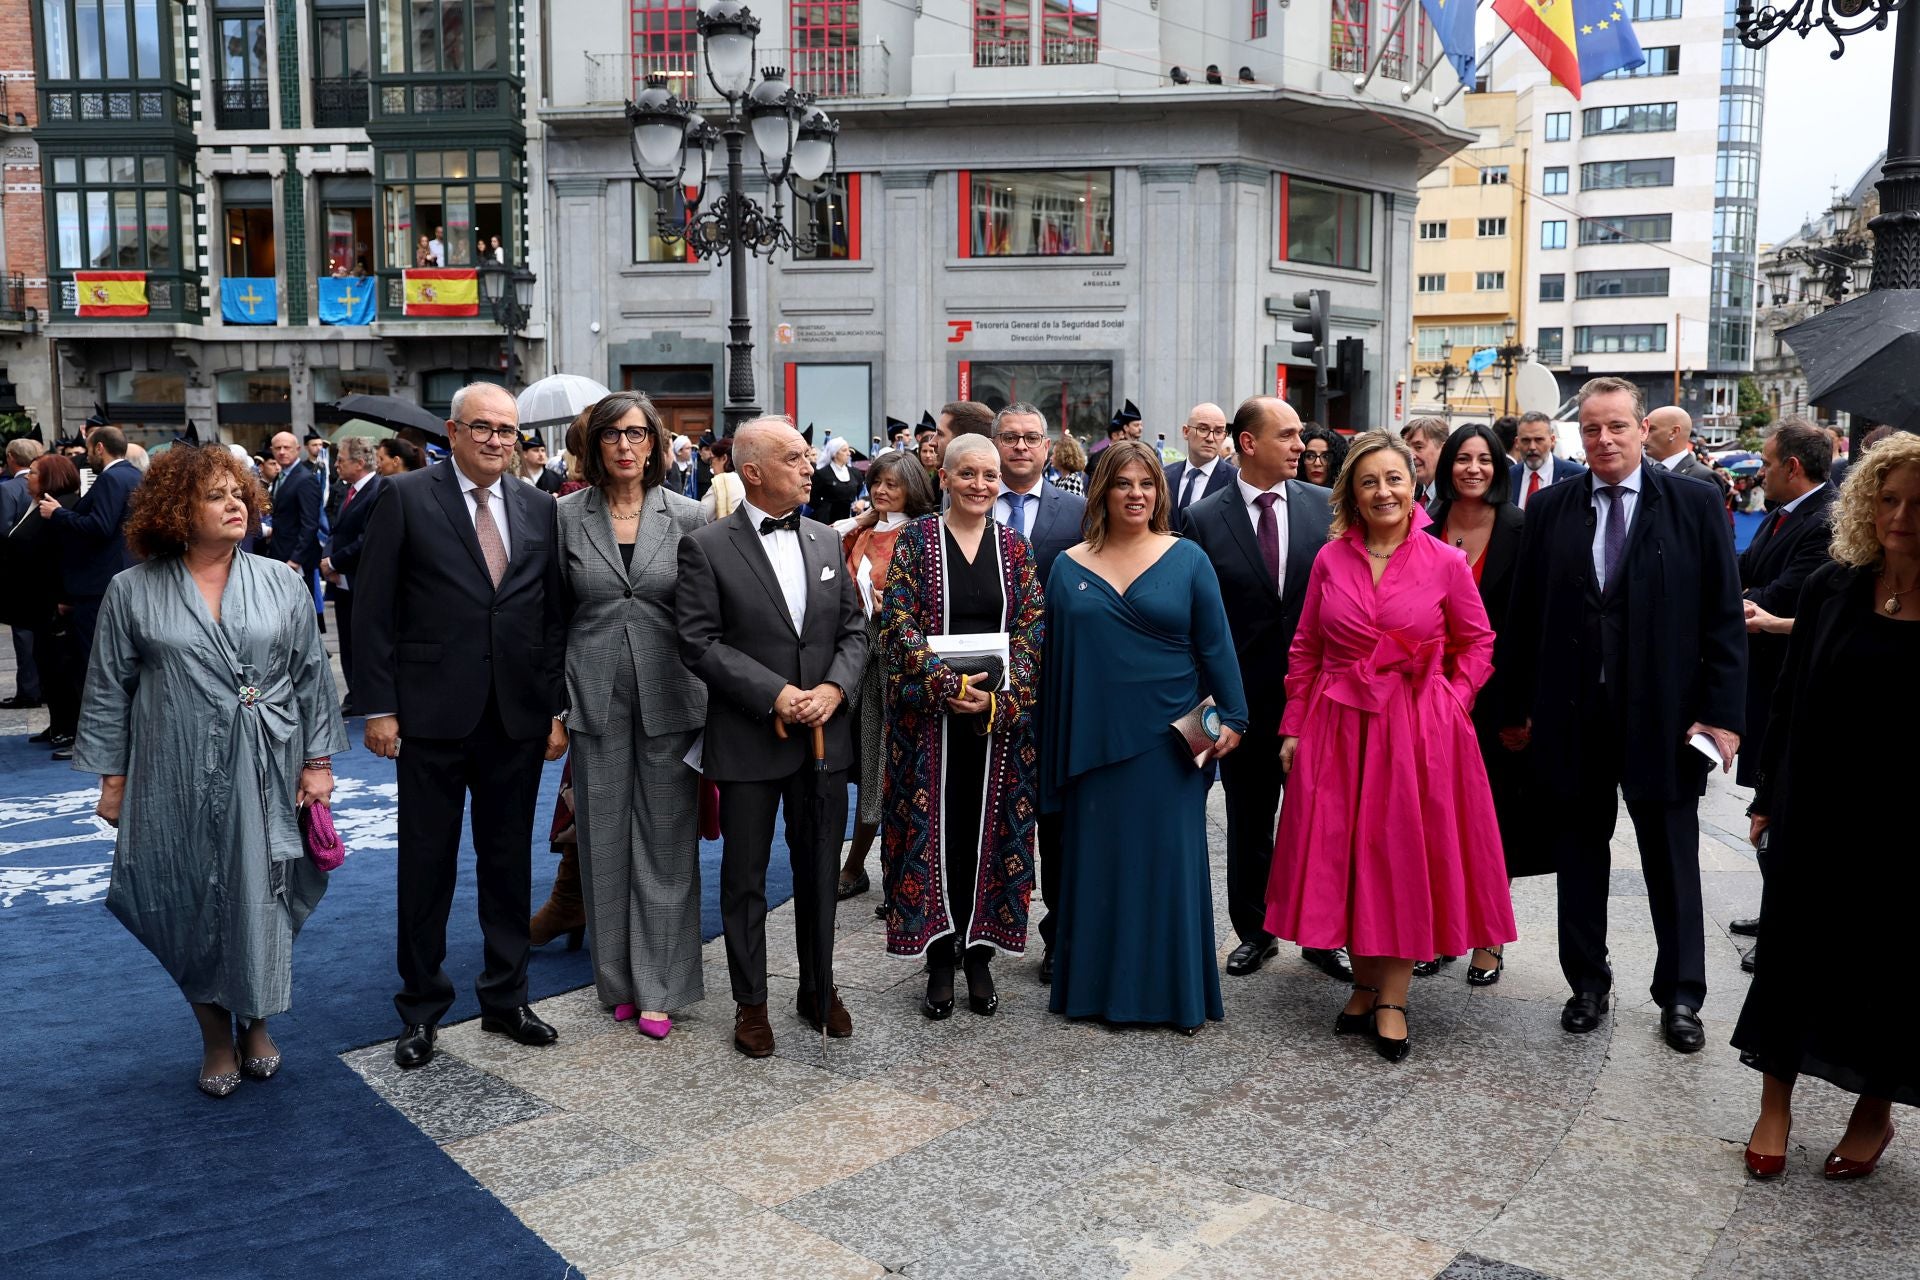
26, 675
436, 775
343, 614
62, 670
1669, 838
746, 826
1253, 782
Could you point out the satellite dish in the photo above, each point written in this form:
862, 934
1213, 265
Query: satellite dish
1535, 389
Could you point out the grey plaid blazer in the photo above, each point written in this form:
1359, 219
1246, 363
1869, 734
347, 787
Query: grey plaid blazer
615, 615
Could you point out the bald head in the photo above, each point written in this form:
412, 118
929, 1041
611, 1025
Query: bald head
773, 463
285, 446
1669, 431
1266, 433
1205, 431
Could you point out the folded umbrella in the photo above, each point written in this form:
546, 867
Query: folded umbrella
1860, 356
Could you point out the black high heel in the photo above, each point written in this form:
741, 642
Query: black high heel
981, 997
938, 1002
1478, 977
1348, 1024
1391, 1050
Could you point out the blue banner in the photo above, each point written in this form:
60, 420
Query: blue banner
249, 300
1482, 360
347, 299
1453, 22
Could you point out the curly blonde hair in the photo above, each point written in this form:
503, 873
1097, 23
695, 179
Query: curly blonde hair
1346, 508
1854, 543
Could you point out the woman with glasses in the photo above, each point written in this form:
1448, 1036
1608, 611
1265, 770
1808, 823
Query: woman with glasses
1323, 453
632, 716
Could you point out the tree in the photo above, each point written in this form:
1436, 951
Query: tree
1755, 412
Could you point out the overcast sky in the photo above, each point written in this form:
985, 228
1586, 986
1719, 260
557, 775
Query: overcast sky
1825, 122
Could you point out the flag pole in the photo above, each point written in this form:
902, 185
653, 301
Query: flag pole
1387, 38
1492, 49
1407, 91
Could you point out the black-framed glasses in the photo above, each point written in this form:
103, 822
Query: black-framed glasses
485, 431
634, 435
1209, 433
1023, 439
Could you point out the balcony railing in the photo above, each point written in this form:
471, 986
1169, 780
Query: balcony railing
1069, 51
1010, 51
1346, 57
67, 103
861, 71
340, 103
420, 97
13, 297
240, 104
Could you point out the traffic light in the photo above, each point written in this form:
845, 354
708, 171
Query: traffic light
1350, 379
1315, 324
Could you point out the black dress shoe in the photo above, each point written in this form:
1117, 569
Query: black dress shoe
1681, 1027
1391, 1050
1583, 1012
853, 888
1331, 961
1249, 956
414, 1048
45, 735
1750, 959
1748, 928
1046, 968
522, 1024
1427, 968
63, 753
60, 741
18, 703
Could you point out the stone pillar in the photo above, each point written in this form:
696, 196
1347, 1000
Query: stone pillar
1247, 247
911, 241
1170, 382
293, 240
580, 253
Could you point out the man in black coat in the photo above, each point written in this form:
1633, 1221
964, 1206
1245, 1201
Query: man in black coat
459, 648
298, 495
1261, 533
1625, 642
361, 485
772, 621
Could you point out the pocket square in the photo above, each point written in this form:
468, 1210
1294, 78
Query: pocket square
826, 573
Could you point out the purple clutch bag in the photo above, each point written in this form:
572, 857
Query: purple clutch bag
322, 841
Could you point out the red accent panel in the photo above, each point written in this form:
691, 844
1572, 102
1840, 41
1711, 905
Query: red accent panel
1280, 381
1283, 217
853, 217
965, 388
793, 389
966, 214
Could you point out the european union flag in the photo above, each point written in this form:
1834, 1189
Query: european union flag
347, 299
1604, 39
249, 300
1453, 22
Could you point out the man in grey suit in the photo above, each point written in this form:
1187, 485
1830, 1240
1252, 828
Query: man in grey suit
1051, 519
772, 621
1670, 443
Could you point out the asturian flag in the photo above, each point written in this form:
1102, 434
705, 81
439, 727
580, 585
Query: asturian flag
442, 291
249, 300
347, 300
1453, 22
1577, 40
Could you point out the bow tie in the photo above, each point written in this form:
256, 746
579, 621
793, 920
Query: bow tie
773, 524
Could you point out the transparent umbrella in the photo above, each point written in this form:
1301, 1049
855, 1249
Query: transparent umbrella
557, 399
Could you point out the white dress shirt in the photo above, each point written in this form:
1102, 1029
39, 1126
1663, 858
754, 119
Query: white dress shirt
1673, 460
1528, 470
1196, 487
353, 489
1248, 495
496, 508
1786, 508
789, 563
1003, 509
1601, 502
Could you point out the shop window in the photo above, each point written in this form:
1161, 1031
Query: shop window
833, 400
648, 244
833, 212
438, 386
1073, 396
1002, 33
1036, 213
254, 397
1325, 225
331, 385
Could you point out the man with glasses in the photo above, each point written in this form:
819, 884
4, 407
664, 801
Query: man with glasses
1050, 518
459, 653
1205, 471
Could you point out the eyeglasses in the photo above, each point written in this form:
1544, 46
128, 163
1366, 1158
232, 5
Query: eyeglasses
634, 435
1022, 439
1209, 433
485, 431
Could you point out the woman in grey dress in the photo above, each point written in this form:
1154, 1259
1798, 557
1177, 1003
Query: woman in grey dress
211, 716
633, 715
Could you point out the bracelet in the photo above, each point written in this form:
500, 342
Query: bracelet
322, 762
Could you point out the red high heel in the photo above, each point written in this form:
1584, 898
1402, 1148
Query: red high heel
1766, 1168
1839, 1168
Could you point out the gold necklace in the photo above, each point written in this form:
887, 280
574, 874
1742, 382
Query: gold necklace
1892, 607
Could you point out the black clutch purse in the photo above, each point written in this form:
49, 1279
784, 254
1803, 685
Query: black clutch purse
984, 672
981, 657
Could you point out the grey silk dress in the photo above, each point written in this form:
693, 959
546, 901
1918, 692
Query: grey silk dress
210, 722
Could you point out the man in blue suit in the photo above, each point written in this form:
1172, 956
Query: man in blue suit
1204, 472
1051, 519
1538, 467
293, 525
354, 463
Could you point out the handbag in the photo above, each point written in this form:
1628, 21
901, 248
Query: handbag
1199, 730
321, 839
981, 658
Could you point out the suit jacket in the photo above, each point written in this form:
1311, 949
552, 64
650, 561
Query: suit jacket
736, 634
616, 615
350, 530
1773, 569
297, 500
1261, 615
1693, 468
1670, 619
1056, 525
1563, 470
549, 481
432, 637
14, 500
92, 545
1498, 563
1222, 478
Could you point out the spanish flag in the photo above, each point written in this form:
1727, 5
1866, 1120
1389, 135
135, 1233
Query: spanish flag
442, 291
1546, 27
103, 295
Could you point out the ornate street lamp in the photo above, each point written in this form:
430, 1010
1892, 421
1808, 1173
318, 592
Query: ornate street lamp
1509, 353
674, 151
509, 294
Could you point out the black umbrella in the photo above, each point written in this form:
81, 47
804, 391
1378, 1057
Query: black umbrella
815, 833
392, 411
1860, 356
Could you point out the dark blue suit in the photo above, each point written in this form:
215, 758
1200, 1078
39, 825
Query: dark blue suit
1562, 470
343, 552
93, 547
1221, 478
299, 499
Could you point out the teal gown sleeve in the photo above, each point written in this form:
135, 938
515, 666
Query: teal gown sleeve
1213, 647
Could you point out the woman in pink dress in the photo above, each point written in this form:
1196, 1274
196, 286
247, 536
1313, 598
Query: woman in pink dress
1389, 845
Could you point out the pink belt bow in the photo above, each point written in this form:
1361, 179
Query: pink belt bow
1395, 663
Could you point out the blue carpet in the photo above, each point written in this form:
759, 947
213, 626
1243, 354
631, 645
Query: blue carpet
1745, 525
114, 1165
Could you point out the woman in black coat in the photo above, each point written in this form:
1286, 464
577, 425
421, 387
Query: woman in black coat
1472, 513
30, 566
835, 485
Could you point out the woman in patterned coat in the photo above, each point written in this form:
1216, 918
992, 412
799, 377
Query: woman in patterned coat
957, 839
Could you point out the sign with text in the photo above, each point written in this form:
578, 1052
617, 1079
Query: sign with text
1057, 331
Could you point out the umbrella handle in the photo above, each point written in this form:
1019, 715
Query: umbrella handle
780, 728
820, 744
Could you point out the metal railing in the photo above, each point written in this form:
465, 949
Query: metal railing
1069, 51
1009, 51
1346, 57
862, 71
240, 104
13, 297
340, 102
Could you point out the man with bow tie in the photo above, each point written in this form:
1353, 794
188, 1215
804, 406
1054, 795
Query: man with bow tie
774, 625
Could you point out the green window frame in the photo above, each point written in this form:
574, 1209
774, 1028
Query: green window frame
453, 37
130, 211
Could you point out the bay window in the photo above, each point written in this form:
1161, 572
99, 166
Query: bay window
124, 213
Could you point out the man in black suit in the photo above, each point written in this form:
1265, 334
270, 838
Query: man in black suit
342, 561
1205, 471
292, 531
1776, 564
1627, 577
1261, 534
1426, 437
772, 621
459, 651
1538, 467
1051, 518
533, 465
1670, 443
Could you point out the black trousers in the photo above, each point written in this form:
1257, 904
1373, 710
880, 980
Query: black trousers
746, 826
1253, 782
26, 673
436, 777
343, 614
1669, 838
1048, 854
62, 671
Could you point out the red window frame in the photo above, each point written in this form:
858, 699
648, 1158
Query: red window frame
826, 47
1396, 65
1258, 23
1069, 32
665, 39
1347, 35
1002, 33
851, 205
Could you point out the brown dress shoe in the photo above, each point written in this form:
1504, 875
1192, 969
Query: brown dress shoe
839, 1021
752, 1034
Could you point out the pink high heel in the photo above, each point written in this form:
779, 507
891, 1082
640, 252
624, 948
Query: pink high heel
655, 1029
624, 1013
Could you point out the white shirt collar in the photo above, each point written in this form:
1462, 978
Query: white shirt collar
1672, 461
755, 515
1545, 467
1034, 492
1204, 468
468, 485
361, 483
1249, 494
1789, 506
1631, 484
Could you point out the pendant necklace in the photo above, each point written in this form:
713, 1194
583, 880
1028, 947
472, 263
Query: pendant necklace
1893, 606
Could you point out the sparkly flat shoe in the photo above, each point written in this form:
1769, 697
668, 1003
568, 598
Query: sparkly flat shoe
218, 1085
260, 1068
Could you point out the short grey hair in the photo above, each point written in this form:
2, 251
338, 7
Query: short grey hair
750, 442
1534, 415
21, 453
1018, 409
965, 446
457, 407
359, 448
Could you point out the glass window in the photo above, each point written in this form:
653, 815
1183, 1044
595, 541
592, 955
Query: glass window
1494, 175
1038, 213
1647, 228
1740, 65
1549, 347
826, 47
833, 212
1325, 224
1553, 288
1662, 60
178, 21
1650, 282
1348, 47
72, 251
837, 399
1259, 27
146, 39
99, 230
1553, 181
56, 39
1653, 10
1489, 281
124, 219
348, 228
1433, 230
1076, 396
648, 244
1740, 118
115, 33
1736, 175
1553, 234
159, 242
1492, 228
87, 24
1607, 175
1733, 230
1645, 117
250, 242
1618, 339
66, 169
446, 220
1431, 343
153, 168
1559, 126
1436, 282
1069, 32
666, 42
340, 89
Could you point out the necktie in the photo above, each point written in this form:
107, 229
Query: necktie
1533, 485
772, 524
1186, 490
353, 491
492, 549
1616, 534
1020, 501
1268, 536
692, 481
1779, 518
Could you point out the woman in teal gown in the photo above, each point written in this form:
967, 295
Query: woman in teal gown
1136, 637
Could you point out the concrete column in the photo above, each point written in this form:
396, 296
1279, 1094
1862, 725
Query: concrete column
911, 240
577, 252
1171, 383
1246, 249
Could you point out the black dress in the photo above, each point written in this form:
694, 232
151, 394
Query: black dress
833, 497
974, 606
1841, 873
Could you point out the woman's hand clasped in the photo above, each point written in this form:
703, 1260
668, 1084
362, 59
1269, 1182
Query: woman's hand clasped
316, 787
1227, 741
1287, 748
1757, 827
113, 791
972, 702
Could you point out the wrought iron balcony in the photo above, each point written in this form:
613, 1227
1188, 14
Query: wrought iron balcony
340, 103
240, 104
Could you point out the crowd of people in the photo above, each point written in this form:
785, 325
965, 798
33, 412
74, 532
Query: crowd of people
1422, 664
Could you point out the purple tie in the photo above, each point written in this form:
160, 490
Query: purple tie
1268, 535
1616, 535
